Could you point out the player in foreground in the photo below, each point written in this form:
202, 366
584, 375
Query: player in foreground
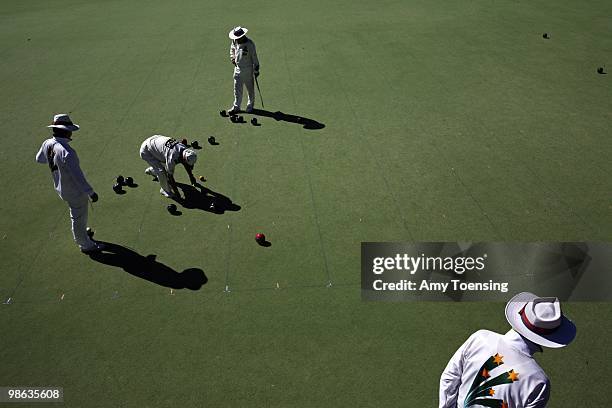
243, 56
68, 178
163, 154
496, 370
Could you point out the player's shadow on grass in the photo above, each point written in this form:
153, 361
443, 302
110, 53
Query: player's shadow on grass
148, 268
200, 197
306, 123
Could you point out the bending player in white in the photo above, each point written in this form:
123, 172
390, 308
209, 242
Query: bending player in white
163, 154
246, 66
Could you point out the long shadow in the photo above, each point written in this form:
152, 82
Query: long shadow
306, 123
201, 198
147, 268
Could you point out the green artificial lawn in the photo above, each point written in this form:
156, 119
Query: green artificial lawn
443, 121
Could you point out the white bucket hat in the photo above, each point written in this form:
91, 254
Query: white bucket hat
190, 157
540, 320
237, 32
62, 121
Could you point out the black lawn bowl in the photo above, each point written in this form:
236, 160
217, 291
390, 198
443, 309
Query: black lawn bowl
545, 36
223, 114
239, 119
212, 141
233, 118
117, 189
172, 209
254, 122
600, 70
129, 181
120, 180
195, 144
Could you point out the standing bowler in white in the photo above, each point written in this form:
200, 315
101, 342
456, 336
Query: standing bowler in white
243, 56
69, 180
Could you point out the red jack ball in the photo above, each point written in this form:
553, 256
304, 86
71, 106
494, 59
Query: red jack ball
259, 237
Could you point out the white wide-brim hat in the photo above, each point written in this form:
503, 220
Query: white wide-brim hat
237, 32
62, 121
190, 157
540, 320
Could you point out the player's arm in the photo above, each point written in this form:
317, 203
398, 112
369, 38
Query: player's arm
71, 162
450, 380
539, 396
46, 154
173, 185
189, 170
233, 52
255, 60
42, 156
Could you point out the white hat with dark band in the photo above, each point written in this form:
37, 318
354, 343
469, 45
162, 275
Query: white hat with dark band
540, 320
190, 157
62, 121
237, 32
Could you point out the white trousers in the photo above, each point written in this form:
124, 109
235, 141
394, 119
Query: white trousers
158, 169
78, 216
240, 80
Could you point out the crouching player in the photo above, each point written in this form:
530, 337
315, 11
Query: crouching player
163, 153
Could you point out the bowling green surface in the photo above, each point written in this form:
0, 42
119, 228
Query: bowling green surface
383, 121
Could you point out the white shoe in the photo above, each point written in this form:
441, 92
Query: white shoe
165, 193
233, 111
96, 247
149, 171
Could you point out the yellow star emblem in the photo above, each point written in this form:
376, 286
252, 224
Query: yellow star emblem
513, 376
491, 391
498, 359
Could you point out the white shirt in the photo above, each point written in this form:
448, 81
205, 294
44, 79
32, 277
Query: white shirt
166, 150
492, 366
245, 57
68, 178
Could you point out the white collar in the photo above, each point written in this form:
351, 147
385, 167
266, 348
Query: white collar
521, 344
62, 140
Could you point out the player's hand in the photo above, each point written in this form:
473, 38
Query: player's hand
256, 73
233, 61
94, 197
